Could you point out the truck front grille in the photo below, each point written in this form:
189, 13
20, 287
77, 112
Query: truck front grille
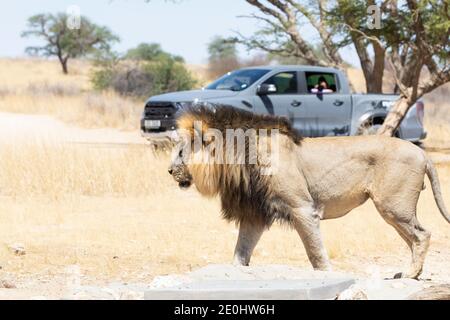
160, 110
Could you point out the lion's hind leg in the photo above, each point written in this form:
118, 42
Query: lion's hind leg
402, 216
418, 240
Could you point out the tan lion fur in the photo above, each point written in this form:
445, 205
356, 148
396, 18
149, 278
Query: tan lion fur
319, 178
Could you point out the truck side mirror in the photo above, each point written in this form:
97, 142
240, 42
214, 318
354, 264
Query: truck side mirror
266, 88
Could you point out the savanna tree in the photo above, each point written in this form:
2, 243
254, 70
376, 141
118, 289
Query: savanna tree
411, 36
65, 42
420, 43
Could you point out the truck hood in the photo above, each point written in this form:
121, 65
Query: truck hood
191, 95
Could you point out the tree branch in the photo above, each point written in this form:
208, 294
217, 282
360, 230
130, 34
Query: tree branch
285, 14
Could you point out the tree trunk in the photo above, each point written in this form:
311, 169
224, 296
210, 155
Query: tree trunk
395, 116
63, 62
373, 70
376, 79
64, 67
374, 83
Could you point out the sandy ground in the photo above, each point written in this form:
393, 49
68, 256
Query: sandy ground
16, 128
72, 282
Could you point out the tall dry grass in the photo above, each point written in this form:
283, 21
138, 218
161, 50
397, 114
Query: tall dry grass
437, 117
39, 87
117, 213
55, 171
17, 74
89, 110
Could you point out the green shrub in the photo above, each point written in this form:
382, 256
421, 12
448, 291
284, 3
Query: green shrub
144, 71
167, 76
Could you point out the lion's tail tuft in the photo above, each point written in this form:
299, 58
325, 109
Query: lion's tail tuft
435, 186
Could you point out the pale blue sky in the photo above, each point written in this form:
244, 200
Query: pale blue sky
183, 28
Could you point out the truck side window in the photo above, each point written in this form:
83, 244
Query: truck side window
319, 82
286, 82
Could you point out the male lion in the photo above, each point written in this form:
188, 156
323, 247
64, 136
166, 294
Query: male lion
315, 179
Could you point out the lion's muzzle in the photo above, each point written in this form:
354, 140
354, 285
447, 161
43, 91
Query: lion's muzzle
181, 175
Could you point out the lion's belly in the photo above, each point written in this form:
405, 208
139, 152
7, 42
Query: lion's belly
339, 179
335, 208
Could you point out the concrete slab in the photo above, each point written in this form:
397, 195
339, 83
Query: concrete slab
227, 282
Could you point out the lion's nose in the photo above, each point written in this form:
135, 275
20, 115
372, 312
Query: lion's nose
170, 171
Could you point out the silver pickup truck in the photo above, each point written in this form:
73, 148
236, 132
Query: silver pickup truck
317, 101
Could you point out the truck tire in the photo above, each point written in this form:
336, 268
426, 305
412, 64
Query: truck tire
371, 127
369, 130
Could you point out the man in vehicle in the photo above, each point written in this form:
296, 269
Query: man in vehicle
321, 86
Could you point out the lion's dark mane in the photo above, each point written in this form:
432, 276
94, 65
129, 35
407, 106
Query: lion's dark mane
251, 199
224, 117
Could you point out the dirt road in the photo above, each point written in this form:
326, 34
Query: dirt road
16, 128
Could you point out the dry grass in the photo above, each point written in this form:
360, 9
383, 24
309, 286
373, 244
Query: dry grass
89, 110
39, 87
57, 171
200, 71
116, 213
18, 74
36, 86
437, 117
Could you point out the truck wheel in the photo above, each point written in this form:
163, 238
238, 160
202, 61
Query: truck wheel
368, 129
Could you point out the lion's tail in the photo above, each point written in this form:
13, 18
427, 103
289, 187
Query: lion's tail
435, 186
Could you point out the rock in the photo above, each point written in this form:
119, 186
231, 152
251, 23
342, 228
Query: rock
228, 282
169, 281
355, 292
7, 284
398, 285
18, 249
131, 295
435, 292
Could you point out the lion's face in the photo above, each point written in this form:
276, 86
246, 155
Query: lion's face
178, 168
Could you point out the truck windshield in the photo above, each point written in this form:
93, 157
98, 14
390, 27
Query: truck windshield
237, 80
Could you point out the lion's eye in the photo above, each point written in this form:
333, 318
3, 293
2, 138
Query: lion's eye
180, 154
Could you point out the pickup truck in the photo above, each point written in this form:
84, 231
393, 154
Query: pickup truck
317, 100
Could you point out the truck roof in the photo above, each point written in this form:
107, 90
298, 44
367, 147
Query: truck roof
295, 67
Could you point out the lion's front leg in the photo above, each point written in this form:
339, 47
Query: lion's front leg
249, 235
306, 222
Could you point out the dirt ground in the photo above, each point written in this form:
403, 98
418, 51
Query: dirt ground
115, 242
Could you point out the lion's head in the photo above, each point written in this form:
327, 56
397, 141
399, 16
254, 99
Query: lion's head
201, 157
190, 166
178, 168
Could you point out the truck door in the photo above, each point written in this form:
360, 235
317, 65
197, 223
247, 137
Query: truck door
325, 110
283, 98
